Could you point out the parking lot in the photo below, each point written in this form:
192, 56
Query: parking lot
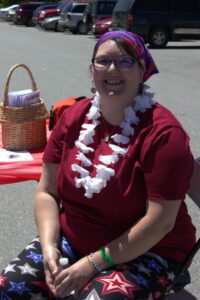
60, 65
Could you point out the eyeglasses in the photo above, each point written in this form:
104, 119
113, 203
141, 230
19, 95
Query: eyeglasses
121, 63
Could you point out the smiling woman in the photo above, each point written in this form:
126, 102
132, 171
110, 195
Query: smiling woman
111, 163
118, 70
114, 73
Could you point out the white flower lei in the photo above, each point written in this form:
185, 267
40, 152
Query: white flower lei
103, 171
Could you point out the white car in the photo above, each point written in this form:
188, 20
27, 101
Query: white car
4, 12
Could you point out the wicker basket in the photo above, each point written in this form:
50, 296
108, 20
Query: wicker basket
23, 128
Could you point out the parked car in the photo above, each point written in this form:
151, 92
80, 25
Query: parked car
24, 13
101, 27
158, 22
72, 18
52, 23
47, 13
98, 10
11, 13
43, 7
7, 12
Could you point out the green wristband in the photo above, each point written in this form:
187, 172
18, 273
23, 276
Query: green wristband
106, 257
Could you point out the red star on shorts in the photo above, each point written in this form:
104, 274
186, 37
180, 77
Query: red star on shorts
2, 280
116, 282
162, 281
157, 295
86, 288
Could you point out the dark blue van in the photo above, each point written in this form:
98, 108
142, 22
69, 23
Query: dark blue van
158, 21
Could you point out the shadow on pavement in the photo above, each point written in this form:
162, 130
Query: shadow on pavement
183, 295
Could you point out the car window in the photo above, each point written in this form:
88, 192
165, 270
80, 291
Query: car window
105, 8
62, 5
188, 6
152, 5
122, 5
30, 6
88, 8
67, 8
79, 8
33, 6
46, 6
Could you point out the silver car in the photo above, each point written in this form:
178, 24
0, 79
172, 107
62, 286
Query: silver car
51, 23
71, 18
7, 13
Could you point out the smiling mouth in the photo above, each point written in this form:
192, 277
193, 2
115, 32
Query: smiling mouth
113, 82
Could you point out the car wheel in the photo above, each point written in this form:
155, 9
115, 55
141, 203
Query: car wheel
59, 28
82, 28
158, 38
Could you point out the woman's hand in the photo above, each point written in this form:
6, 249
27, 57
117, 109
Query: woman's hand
73, 278
51, 257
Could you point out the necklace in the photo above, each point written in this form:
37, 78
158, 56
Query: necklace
108, 132
107, 138
104, 170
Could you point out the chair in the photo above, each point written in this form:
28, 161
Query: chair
183, 277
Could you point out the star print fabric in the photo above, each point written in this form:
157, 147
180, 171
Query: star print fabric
145, 278
24, 277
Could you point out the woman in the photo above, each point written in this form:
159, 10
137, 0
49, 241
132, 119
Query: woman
111, 196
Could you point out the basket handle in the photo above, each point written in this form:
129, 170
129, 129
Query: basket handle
5, 95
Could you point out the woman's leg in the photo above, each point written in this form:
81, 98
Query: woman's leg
24, 277
145, 278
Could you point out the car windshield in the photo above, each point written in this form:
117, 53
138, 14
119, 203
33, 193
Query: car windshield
9, 7
62, 5
122, 5
67, 7
79, 8
46, 6
105, 7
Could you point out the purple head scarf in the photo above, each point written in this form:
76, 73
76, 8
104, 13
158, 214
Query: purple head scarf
141, 51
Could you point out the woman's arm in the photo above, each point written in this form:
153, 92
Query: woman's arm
47, 220
142, 236
47, 207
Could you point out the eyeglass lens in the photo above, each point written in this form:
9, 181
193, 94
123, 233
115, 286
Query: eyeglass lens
121, 63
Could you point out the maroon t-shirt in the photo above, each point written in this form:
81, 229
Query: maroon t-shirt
157, 166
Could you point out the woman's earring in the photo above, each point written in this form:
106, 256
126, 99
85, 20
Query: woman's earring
140, 90
93, 89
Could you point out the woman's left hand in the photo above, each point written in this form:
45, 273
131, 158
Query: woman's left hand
73, 278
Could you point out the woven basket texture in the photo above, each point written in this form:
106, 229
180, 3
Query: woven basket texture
23, 128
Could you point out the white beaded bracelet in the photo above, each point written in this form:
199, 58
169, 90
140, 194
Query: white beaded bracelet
96, 267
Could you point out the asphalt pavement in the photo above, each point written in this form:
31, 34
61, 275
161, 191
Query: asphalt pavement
60, 65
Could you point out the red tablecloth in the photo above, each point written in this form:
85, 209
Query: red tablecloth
24, 170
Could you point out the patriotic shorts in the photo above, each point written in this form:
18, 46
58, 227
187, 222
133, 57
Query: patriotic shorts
146, 278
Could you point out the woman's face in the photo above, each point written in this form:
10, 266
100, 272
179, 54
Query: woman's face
113, 83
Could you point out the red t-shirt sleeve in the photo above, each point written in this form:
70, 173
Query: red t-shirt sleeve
168, 164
